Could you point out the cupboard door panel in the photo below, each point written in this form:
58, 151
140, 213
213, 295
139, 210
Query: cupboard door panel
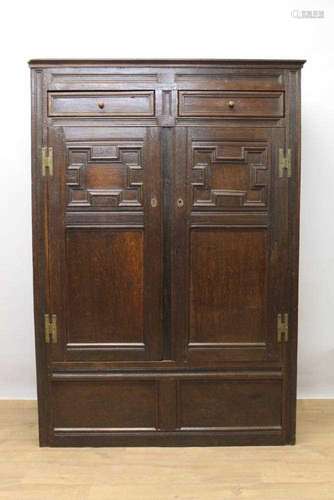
105, 287
228, 287
105, 175
230, 175
234, 245
105, 244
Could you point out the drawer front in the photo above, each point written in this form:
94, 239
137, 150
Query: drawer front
115, 104
212, 104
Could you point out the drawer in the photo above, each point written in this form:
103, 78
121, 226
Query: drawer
213, 104
114, 103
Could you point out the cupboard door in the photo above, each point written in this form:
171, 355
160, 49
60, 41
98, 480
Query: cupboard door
104, 243
233, 228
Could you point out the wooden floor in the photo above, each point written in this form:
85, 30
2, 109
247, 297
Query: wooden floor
304, 471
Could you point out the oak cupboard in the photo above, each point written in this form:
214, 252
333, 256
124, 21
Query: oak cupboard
165, 229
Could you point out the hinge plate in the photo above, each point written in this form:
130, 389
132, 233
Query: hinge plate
47, 161
284, 163
282, 328
50, 328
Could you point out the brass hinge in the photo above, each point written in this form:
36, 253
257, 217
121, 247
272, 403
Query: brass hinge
50, 326
47, 161
282, 328
284, 163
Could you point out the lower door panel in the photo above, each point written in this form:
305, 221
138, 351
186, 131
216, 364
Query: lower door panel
167, 409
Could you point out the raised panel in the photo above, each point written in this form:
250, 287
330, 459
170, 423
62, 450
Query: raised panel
113, 405
228, 290
230, 405
230, 175
112, 104
213, 104
105, 176
104, 288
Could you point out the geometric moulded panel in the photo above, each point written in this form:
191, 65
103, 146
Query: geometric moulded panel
230, 175
105, 176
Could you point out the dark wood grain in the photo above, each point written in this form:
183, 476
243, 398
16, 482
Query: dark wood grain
117, 404
249, 405
166, 244
228, 287
105, 287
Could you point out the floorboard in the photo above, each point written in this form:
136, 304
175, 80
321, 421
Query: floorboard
301, 472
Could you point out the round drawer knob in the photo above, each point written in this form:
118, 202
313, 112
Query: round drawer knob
180, 203
231, 104
100, 105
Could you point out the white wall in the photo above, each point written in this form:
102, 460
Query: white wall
144, 29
